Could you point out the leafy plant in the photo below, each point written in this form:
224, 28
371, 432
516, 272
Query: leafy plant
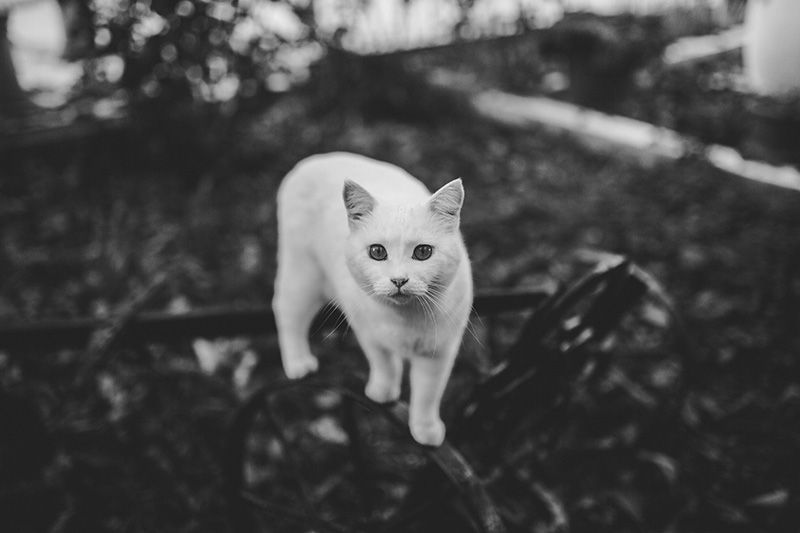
197, 51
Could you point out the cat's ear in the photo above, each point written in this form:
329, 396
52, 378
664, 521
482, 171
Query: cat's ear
358, 202
446, 202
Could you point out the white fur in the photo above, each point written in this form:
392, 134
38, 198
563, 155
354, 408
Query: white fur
323, 256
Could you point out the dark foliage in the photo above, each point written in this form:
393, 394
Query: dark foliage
626, 452
694, 433
186, 52
614, 64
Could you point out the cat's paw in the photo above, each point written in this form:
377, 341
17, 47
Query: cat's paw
299, 366
428, 433
382, 392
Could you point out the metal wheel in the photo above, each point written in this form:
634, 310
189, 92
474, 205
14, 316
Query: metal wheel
311, 455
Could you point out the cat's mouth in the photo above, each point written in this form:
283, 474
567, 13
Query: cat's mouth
400, 297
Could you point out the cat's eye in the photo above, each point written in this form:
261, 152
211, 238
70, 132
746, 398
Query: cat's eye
377, 252
423, 252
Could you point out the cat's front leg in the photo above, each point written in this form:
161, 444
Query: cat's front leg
385, 374
428, 376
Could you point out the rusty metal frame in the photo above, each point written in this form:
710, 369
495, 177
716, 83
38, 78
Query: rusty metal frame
43, 335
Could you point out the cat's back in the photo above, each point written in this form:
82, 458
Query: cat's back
315, 184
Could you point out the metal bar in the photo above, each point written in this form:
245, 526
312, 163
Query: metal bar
362, 477
210, 323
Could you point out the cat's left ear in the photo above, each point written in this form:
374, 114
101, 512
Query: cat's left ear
446, 202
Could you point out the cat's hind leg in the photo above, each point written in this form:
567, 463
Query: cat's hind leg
297, 299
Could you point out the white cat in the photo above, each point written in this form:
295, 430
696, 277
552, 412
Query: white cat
371, 238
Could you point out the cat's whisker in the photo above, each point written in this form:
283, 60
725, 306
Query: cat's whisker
426, 308
471, 329
437, 304
368, 288
436, 300
342, 320
430, 312
325, 313
436, 292
474, 313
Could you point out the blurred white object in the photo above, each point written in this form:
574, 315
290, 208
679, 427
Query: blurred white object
36, 31
729, 160
645, 7
226, 355
244, 370
772, 46
695, 48
387, 25
210, 355
622, 136
38, 26
328, 429
213, 355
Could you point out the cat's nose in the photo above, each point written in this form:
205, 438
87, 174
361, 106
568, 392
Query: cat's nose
399, 282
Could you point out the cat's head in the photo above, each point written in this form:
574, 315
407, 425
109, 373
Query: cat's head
400, 252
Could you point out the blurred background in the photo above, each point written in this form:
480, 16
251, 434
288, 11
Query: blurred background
141, 146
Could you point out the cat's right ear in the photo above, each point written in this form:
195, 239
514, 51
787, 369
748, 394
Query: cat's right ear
358, 202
